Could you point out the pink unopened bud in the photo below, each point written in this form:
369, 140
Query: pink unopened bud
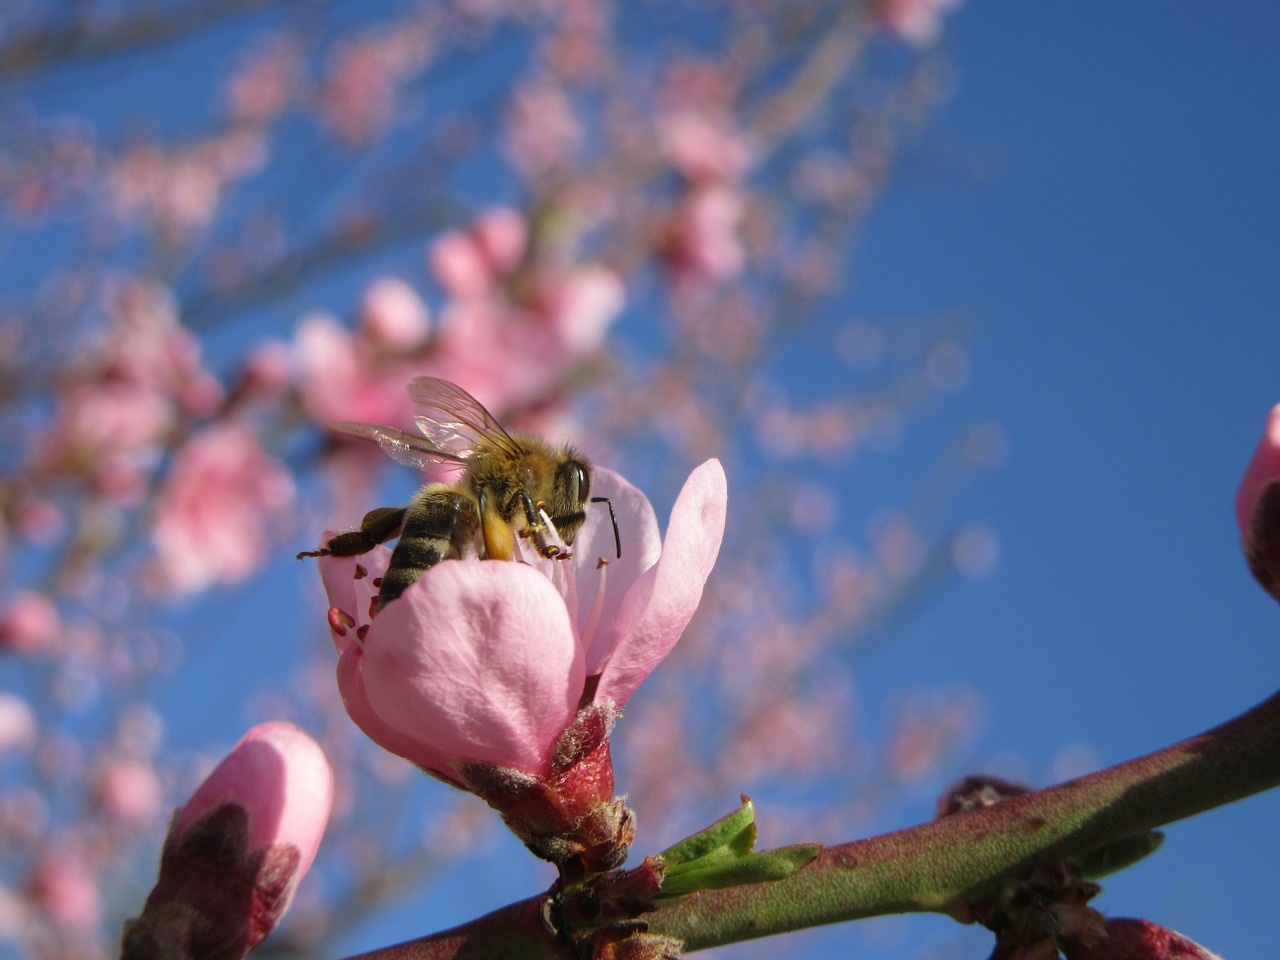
1129, 939
236, 852
1258, 508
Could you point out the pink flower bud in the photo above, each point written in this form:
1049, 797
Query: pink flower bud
1129, 939
1258, 508
236, 852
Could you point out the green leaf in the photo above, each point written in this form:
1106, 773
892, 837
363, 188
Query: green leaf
759, 867
735, 832
723, 855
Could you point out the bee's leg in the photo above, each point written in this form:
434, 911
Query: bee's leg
536, 529
440, 524
378, 526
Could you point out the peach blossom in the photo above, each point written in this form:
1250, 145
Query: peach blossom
394, 316
216, 509
490, 662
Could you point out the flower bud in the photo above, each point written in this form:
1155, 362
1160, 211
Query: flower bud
236, 852
1128, 939
1258, 508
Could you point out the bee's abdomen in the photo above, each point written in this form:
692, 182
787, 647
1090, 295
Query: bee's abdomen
439, 524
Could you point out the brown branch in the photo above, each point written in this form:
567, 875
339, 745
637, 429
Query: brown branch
933, 866
52, 45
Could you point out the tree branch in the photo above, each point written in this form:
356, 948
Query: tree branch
930, 867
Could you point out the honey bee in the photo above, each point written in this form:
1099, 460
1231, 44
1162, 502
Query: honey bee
511, 485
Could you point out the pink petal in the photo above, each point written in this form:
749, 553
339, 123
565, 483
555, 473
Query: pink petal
478, 661
351, 591
600, 591
660, 604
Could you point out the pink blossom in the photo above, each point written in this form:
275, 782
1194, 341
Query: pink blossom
501, 234
916, 21
358, 98
703, 145
394, 316
1258, 508
506, 355
705, 245
470, 265
264, 83
63, 885
458, 266
543, 132
341, 379
18, 728
127, 791
490, 662
216, 509
583, 305
29, 623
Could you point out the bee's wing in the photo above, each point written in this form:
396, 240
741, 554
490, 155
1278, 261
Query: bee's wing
454, 422
402, 447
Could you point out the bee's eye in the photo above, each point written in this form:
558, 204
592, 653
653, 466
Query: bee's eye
584, 481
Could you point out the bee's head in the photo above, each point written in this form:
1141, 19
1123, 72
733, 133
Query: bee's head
569, 495
572, 492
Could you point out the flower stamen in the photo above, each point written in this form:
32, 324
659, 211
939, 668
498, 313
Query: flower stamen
597, 608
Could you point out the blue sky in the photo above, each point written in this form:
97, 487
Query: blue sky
1107, 209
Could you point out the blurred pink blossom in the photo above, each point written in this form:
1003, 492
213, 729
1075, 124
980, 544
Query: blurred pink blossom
29, 623
127, 791
543, 132
704, 245
703, 145
216, 508
916, 21
64, 887
126, 395
340, 378
507, 355
179, 191
18, 727
358, 96
265, 82
394, 316
472, 264
490, 661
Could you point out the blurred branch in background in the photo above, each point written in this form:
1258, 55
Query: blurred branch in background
228, 224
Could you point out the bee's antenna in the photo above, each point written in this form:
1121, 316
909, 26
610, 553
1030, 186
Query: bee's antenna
617, 539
